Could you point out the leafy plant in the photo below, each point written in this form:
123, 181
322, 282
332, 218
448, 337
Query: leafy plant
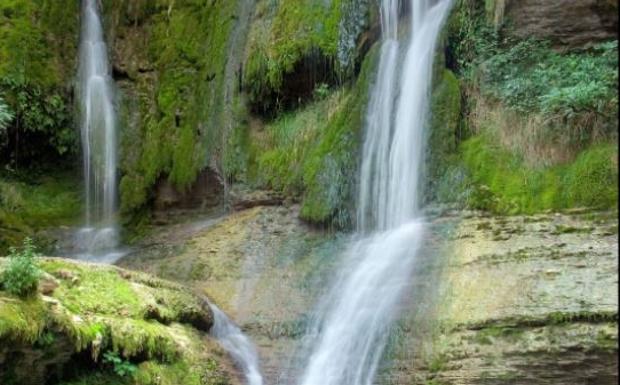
321, 91
40, 111
120, 366
21, 276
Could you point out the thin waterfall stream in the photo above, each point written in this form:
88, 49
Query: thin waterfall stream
354, 319
238, 345
98, 239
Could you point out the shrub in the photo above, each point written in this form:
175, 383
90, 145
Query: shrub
21, 276
120, 366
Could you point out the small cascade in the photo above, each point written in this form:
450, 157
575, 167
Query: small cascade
237, 345
353, 322
99, 237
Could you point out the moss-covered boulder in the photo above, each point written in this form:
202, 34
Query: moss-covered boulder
93, 315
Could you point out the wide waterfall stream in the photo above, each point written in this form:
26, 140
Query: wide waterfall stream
354, 320
99, 237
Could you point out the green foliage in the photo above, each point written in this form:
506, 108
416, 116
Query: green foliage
574, 91
21, 276
42, 116
121, 367
30, 203
499, 181
38, 41
529, 76
311, 153
320, 91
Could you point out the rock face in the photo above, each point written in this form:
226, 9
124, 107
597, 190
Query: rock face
565, 22
262, 265
494, 300
519, 300
206, 191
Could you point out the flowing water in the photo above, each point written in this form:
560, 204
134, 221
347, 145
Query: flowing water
237, 345
354, 319
98, 123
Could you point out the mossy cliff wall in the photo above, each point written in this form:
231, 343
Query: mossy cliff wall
524, 127
169, 61
190, 85
211, 92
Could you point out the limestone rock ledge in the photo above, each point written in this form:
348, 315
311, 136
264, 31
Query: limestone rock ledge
88, 310
525, 300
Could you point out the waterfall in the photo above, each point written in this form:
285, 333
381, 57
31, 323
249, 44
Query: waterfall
98, 132
354, 319
237, 345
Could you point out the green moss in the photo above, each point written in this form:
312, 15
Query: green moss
445, 120
33, 204
284, 33
500, 181
288, 33
311, 153
180, 126
21, 320
329, 185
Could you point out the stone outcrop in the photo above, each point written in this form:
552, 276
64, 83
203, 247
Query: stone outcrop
494, 300
519, 300
565, 22
206, 191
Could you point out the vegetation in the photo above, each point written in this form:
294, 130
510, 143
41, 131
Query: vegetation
541, 122
180, 128
21, 276
310, 153
574, 91
492, 178
30, 203
121, 367
6, 115
38, 40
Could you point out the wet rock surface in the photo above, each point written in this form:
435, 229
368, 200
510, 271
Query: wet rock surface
263, 266
493, 300
520, 300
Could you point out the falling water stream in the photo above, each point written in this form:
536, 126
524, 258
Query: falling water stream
237, 345
99, 237
354, 319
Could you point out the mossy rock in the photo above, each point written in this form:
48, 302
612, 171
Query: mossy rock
296, 44
311, 154
156, 325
